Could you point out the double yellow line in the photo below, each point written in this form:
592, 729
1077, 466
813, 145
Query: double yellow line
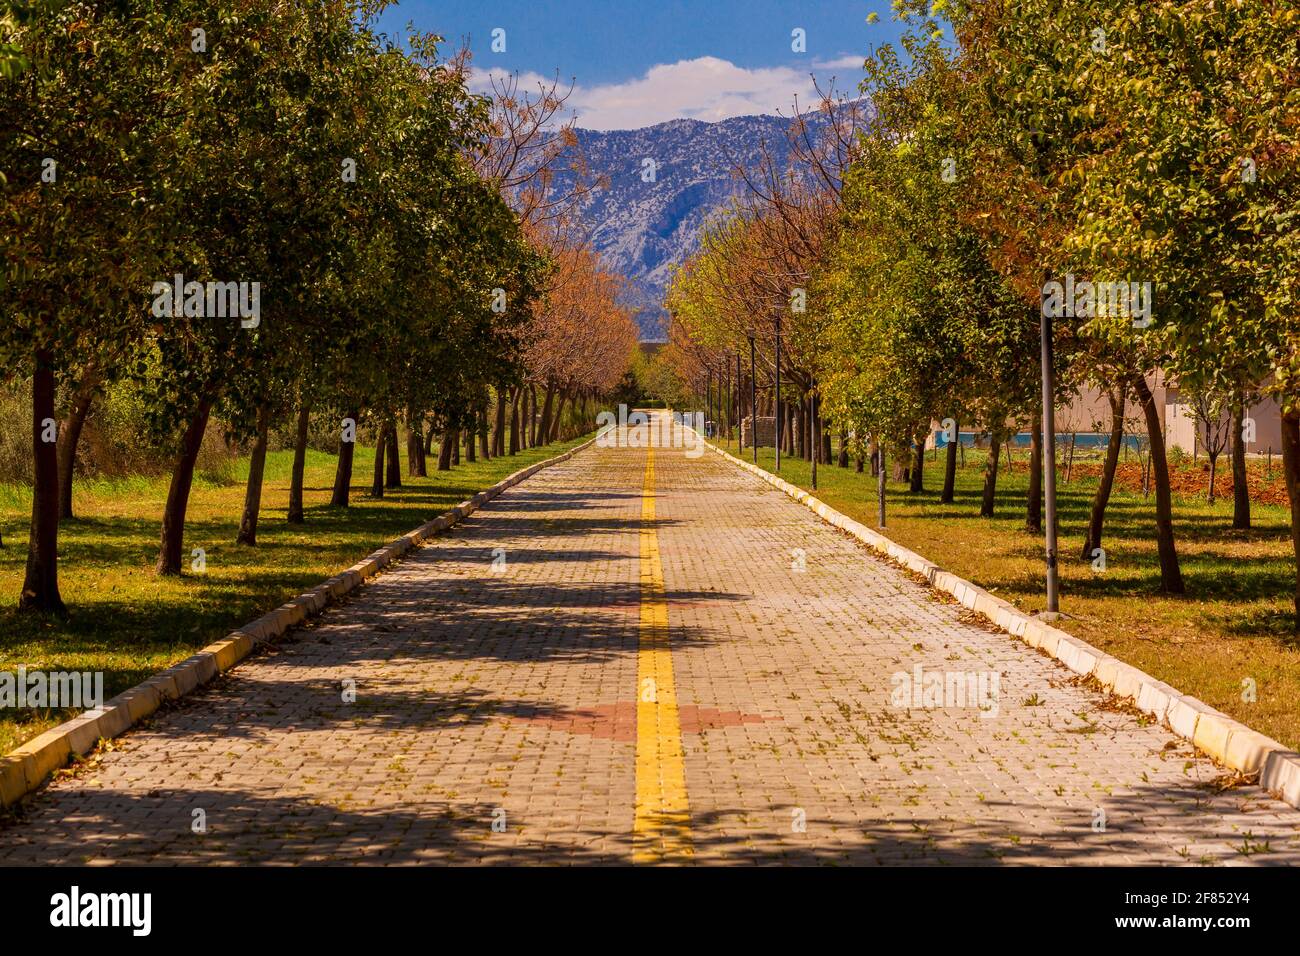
661, 827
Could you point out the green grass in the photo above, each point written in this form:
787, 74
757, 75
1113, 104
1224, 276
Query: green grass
1235, 621
129, 623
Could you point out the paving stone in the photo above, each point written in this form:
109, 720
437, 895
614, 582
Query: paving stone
509, 696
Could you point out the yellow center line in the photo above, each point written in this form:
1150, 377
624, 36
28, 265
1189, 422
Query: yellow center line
661, 827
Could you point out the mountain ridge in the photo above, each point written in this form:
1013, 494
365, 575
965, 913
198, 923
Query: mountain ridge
643, 227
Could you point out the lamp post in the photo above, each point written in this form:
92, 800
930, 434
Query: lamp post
777, 402
880, 480
753, 397
1049, 462
812, 427
708, 398
777, 309
728, 408
740, 403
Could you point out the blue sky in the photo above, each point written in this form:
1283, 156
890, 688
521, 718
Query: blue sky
638, 63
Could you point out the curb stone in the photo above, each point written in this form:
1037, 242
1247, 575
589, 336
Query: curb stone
1228, 741
26, 768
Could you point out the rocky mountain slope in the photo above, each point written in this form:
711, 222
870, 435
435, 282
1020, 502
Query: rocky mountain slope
642, 228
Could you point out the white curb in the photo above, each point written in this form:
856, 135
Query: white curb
1226, 740
24, 769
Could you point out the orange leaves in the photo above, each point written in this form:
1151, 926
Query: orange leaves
580, 337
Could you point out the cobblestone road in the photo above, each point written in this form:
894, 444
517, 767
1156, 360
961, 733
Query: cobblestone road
650, 656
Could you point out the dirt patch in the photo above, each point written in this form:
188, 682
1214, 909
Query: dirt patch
1192, 479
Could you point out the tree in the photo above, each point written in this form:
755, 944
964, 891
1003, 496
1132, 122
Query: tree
83, 134
1213, 417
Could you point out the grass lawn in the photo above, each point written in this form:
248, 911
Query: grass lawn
129, 623
1234, 622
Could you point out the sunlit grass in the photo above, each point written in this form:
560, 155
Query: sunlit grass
129, 623
1234, 622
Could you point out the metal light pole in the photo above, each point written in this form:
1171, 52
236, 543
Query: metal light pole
740, 404
812, 427
1049, 461
708, 399
777, 403
731, 408
753, 398
880, 481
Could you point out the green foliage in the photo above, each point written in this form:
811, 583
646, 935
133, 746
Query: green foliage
286, 146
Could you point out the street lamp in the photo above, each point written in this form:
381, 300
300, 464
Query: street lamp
880, 478
812, 427
777, 402
753, 397
708, 398
1049, 463
740, 402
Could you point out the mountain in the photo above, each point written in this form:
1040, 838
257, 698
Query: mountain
642, 228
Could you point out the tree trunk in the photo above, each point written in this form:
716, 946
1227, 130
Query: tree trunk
499, 432
414, 447
1034, 503
555, 436
880, 484
394, 477
514, 421
253, 491
991, 476
178, 495
807, 430
523, 418
299, 465
1092, 537
548, 405
797, 432
377, 470
1240, 485
1171, 577
532, 416
69, 435
445, 449
484, 441
1214, 468
1291, 472
824, 434
950, 469
918, 463
470, 431
413, 444
844, 448
343, 471
41, 583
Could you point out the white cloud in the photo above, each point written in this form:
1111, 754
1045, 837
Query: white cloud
706, 88
480, 81
851, 62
